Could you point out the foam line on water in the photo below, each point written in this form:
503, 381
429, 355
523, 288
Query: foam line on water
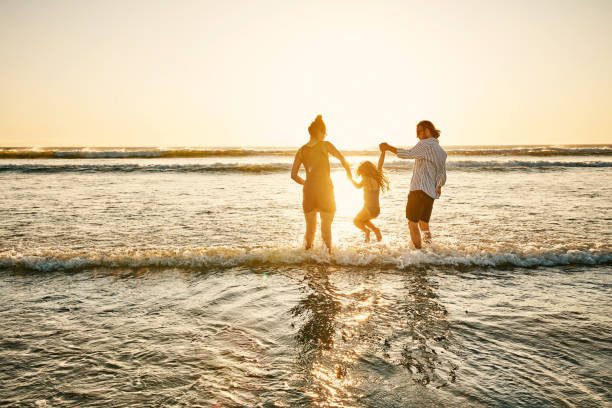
278, 167
372, 255
99, 153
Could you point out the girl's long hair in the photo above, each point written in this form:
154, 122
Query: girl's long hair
368, 169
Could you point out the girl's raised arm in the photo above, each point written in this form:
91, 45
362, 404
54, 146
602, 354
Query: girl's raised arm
381, 160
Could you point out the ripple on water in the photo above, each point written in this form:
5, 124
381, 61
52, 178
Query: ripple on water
311, 335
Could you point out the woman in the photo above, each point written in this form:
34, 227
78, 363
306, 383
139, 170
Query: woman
318, 188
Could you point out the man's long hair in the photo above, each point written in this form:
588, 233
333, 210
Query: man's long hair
425, 124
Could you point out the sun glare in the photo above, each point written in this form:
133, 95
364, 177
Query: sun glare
214, 74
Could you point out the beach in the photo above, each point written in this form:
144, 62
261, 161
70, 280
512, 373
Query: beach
176, 277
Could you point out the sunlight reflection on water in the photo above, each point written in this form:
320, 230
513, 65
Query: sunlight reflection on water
186, 289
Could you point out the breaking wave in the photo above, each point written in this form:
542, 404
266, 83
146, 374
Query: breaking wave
374, 255
130, 168
533, 151
121, 153
277, 167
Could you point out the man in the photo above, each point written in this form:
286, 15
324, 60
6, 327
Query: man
428, 177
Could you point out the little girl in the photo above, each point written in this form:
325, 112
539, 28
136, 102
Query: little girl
373, 180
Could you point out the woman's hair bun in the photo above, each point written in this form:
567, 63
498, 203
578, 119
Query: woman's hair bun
317, 125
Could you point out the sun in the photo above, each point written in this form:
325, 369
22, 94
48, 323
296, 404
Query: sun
349, 199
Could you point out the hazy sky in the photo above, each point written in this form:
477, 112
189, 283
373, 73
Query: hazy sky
255, 73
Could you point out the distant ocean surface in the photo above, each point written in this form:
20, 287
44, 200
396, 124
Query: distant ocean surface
176, 277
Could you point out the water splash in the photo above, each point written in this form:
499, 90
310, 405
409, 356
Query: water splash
381, 255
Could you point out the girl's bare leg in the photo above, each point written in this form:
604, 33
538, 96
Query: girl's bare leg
361, 222
326, 221
367, 234
311, 228
376, 230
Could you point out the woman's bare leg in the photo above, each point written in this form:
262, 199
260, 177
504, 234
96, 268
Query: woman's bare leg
326, 221
311, 228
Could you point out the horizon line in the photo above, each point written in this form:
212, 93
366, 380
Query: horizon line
238, 147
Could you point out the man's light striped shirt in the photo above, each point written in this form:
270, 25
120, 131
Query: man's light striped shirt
429, 166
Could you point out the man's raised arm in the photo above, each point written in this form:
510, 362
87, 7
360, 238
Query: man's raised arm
384, 146
417, 152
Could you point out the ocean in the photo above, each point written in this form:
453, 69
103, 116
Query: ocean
175, 277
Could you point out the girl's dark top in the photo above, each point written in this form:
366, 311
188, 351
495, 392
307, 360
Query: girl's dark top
370, 201
318, 188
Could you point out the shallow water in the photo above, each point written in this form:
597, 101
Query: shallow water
158, 282
314, 335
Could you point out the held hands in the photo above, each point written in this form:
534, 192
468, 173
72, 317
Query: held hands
383, 147
439, 190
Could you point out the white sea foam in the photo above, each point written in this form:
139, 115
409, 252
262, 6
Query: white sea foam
372, 255
146, 168
282, 167
103, 153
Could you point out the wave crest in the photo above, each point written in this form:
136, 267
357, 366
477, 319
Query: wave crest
131, 168
279, 167
374, 255
124, 153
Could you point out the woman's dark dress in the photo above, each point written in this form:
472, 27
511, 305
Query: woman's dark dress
318, 189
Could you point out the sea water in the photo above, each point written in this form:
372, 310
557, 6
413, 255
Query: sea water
176, 277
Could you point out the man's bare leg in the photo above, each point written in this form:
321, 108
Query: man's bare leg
415, 234
426, 232
311, 228
326, 233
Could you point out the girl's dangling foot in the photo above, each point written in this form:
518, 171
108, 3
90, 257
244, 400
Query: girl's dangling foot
367, 236
378, 234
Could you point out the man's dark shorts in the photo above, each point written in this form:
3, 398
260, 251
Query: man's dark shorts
419, 206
